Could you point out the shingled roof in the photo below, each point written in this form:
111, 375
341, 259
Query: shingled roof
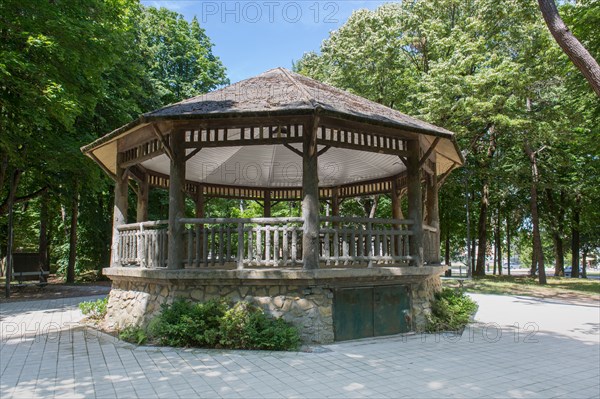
280, 91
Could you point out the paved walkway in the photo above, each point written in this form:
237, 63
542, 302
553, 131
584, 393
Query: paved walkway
520, 348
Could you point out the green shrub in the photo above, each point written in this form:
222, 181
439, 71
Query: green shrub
94, 309
245, 326
450, 311
135, 335
189, 324
215, 324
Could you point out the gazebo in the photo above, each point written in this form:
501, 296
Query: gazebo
280, 136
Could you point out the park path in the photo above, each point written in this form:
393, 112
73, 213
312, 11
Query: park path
554, 352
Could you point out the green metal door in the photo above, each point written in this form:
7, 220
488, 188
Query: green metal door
353, 313
391, 306
361, 312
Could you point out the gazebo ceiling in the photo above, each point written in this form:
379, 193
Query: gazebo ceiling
250, 134
278, 167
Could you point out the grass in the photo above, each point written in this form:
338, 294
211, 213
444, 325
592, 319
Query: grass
557, 287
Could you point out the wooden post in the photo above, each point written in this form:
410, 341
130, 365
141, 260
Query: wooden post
200, 203
176, 200
119, 210
142, 200
310, 201
267, 204
397, 214
433, 212
335, 205
415, 212
200, 212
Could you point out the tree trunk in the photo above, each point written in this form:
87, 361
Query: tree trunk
485, 201
374, 207
498, 243
43, 242
578, 54
73, 238
3, 169
559, 266
584, 263
575, 241
9, 246
535, 220
557, 216
447, 248
508, 244
473, 255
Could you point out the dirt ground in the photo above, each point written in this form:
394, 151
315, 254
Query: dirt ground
55, 289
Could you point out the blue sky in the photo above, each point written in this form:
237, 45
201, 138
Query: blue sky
251, 37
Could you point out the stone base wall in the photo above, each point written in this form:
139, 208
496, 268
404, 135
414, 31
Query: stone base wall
310, 310
422, 295
303, 298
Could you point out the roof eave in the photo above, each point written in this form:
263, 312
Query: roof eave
148, 118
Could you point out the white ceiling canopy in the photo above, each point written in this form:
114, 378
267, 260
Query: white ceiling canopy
278, 166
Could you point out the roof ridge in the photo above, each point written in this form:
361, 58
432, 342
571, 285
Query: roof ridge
300, 87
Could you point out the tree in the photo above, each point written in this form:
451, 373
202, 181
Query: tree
65, 83
470, 67
576, 52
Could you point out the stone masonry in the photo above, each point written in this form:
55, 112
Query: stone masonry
136, 303
306, 301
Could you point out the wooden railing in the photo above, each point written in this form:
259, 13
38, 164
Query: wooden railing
269, 242
143, 244
352, 241
431, 245
244, 242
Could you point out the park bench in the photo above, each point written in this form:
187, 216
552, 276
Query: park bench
27, 267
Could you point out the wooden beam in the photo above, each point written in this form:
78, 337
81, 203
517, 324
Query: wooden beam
244, 142
427, 169
163, 140
443, 177
267, 203
365, 148
142, 200
433, 215
237, 122
310, 201
200, 202
119, 211
415, 211
142, 158
339, 123
323, 150
191, 154
429, 151
294, 150
176, 201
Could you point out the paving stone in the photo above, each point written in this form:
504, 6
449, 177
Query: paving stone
72, 361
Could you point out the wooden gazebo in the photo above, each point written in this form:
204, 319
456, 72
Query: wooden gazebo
276, 137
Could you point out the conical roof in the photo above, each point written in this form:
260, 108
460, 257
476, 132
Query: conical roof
280, 91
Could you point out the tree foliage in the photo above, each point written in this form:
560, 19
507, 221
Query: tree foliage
72, 71
491, 73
